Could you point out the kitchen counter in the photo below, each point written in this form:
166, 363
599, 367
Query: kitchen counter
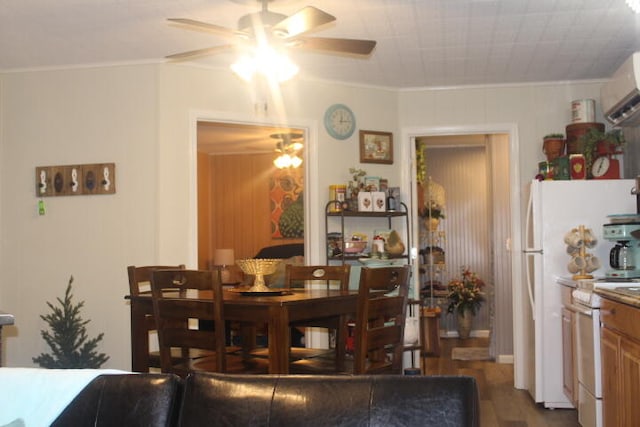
624, 295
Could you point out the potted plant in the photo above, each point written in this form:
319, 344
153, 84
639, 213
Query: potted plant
355, 185
71, 347
431, 213
465, 299
596, 143
553, 145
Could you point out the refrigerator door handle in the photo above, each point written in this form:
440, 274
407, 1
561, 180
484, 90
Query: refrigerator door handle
528, 253
529, 285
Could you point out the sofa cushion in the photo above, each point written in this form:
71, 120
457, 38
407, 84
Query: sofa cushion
125, 400
237, 400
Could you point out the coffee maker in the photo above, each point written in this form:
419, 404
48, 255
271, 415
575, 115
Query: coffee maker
624, 258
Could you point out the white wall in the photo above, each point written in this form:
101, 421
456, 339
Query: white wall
536, 110
74, 117
139, 118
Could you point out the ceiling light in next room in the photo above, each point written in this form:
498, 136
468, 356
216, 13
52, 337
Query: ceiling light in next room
634, 5
289, 150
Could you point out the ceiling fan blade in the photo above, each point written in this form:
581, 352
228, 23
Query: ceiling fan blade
199, 52
348, 46
301, 22
209, 28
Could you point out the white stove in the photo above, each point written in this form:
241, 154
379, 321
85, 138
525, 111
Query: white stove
587, 305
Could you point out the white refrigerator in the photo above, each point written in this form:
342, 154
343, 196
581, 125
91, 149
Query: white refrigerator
555, 207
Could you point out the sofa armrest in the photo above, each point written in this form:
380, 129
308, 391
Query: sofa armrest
125, 400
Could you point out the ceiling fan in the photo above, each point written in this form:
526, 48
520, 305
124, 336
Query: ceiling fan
276, 29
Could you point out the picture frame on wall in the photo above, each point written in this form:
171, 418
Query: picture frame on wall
376, 147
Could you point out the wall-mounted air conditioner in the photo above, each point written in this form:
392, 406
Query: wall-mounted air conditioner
620, 97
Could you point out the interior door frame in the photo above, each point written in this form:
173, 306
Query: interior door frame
312, 209
515, 244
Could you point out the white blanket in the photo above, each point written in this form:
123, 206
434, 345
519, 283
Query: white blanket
34, 397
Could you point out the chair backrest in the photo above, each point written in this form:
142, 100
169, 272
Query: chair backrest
140, 277
298, 275
380, 316
175, 306
140, 282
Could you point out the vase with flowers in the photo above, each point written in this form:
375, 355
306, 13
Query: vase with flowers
465, 299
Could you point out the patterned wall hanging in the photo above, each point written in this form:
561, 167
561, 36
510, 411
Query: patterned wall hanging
287, 206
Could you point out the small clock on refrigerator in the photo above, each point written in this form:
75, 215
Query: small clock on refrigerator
605, 167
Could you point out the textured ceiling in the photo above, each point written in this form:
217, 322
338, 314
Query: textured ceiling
420, 42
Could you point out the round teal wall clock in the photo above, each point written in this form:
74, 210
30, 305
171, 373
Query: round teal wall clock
339, 121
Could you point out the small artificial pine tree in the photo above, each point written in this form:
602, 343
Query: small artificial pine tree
69, 344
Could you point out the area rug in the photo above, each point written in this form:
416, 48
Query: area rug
470, 353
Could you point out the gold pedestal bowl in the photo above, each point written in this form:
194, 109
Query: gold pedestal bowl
258, 267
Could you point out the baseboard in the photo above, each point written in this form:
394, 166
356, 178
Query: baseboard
505, 358
482, 333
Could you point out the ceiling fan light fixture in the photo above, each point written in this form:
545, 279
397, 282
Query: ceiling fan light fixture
265, 30
282, 161
288, 149
268, 62
296, 161
245, 68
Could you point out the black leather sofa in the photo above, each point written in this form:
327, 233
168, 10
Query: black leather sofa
205, 399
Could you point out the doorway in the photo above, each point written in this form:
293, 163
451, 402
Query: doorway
498, 144
241, 195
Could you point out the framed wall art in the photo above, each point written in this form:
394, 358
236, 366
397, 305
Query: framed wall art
376, 147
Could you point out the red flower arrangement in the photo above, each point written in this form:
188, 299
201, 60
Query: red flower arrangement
465, 293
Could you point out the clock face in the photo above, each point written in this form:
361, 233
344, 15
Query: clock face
600, 166
339, 121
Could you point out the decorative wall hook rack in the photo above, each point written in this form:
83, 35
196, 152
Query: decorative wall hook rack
76, 180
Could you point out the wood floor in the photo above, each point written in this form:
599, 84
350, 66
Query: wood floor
501, 405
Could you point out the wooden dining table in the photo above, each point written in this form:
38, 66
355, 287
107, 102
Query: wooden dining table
276, 311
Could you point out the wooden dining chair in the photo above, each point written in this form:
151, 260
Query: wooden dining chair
176, 311
318, 275
140, 283
380, 320
378, 328
298, 276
